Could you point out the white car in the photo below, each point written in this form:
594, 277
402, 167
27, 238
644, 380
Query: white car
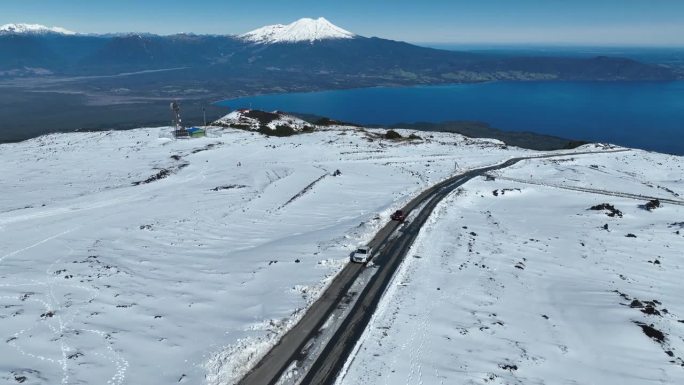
362, 255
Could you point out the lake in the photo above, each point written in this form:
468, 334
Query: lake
647, 115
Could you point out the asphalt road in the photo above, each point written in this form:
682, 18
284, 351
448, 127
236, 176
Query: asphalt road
390, 252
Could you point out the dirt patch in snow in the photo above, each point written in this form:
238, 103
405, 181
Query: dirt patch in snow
162, 174
653, 310
652, 205
652, 332
304, 190
228, 187
611, 210
503, 192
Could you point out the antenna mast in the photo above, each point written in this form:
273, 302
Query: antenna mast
178, 129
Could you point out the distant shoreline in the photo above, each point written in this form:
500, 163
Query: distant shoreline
606, 112
29, 113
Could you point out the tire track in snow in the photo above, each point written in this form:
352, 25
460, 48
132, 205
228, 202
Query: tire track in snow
48, 239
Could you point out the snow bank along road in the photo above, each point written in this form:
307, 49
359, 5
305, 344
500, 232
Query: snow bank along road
390, 251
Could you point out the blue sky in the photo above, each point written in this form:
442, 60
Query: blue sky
584, 22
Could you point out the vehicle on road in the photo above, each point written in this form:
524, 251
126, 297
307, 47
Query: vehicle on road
398, 216
362, 255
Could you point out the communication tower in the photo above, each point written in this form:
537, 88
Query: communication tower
178, 130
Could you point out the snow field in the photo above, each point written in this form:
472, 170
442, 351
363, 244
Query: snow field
526, 287
130, 258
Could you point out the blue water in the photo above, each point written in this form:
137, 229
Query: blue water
642, 115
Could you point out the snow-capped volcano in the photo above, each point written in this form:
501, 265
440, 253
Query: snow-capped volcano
33, 29
302, 30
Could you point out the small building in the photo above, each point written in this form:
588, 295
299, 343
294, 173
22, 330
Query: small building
196, 132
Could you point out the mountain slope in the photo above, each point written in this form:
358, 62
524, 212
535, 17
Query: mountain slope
519, 282
191, 277
154, 283
22, 28
269, 123
312, 53
301, 30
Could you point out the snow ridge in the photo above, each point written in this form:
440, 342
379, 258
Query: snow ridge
256, 120
302, 30
33, 29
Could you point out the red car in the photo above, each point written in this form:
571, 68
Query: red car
398, 216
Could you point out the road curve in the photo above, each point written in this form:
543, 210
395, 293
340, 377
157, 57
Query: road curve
390, 252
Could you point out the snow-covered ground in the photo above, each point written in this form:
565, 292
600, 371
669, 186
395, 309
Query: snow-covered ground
518, 282
128, 258
256, 120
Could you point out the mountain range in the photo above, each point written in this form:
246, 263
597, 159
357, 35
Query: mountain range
309, 47
53, 79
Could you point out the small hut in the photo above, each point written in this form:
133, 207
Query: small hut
196, 132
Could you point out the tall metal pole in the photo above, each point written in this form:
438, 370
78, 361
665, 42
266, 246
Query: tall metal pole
178, 122
174, 115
